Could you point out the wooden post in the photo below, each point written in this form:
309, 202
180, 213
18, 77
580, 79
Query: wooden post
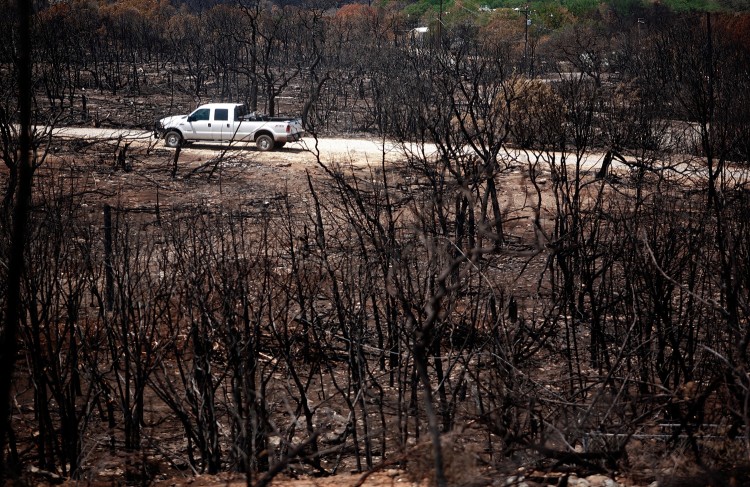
109, 277
174, 161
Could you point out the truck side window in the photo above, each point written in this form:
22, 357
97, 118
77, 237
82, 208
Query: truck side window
221, 114
201, 114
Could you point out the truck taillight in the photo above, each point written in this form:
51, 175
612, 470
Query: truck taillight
288, 128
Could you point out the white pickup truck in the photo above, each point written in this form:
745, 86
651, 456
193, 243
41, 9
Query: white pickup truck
228, 122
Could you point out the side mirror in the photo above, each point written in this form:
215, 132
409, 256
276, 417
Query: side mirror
191, 118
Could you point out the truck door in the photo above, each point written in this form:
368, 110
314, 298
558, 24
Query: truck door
241, 130
199, 123
222, 127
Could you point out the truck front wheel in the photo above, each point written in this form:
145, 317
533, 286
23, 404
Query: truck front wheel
172, 139
264, 142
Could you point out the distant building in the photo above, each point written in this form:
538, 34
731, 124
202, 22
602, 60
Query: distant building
418, 34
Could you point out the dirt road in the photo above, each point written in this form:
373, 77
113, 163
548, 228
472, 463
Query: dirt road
357, 151
354, 150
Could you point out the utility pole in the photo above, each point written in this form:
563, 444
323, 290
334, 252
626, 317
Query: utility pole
440, 26
525, 34
640, 22
526, 23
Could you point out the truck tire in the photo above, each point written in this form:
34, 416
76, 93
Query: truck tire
264, 142
172, 139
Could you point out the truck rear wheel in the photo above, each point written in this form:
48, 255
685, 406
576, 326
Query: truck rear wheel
172, 139
264, 142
